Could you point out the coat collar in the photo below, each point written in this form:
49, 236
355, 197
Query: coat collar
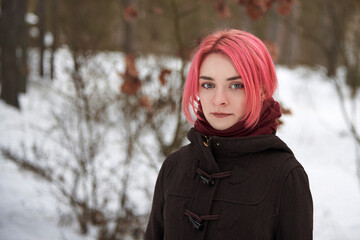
237, 146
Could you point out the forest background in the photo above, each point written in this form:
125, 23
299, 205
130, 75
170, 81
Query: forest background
158, 36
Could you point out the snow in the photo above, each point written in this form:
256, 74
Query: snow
315, 131
317, 134
27, 208
31, 18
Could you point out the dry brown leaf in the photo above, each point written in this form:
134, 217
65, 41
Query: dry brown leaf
279, 122
130, 13
162, 76
285, 111
257, 8
132, 83
130, 86
145, 102
284, 9
222, 9
158, 10
131, 66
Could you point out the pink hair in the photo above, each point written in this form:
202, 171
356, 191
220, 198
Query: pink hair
252, 61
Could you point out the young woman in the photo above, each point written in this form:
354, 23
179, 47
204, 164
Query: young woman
236, 179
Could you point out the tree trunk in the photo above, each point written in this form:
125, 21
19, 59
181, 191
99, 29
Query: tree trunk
41, 13
272, 29
287, 45
23, 43
12, 20
128, 31
54, 25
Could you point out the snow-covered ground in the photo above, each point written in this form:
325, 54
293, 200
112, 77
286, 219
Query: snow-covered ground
317, 134
315, 131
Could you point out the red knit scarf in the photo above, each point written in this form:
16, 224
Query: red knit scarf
267, 123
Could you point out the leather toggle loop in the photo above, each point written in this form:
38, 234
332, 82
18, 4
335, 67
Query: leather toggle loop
197, 220
209, 178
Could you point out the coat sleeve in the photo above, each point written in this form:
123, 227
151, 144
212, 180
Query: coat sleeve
295, 220
155, 227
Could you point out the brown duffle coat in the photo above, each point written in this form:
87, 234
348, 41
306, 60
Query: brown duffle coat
231, 188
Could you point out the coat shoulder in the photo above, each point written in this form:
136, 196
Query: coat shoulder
177, 156
289, 165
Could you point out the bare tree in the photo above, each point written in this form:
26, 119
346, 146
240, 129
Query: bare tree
55, 32
40, 9
336, 36
13, 41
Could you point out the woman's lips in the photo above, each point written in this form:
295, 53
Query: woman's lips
221, 115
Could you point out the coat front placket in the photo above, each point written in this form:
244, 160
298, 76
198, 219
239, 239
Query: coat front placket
202, 200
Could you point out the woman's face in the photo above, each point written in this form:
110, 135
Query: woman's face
221, 92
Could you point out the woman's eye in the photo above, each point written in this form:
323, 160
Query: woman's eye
207, 85
237, 85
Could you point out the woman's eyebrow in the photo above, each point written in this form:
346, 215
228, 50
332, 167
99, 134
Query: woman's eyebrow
211, 79
205, 78
234, 78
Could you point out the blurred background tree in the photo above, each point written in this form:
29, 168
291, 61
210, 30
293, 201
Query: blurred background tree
13, 39
144, 27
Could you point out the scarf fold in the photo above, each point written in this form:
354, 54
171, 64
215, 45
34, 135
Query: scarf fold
267, 124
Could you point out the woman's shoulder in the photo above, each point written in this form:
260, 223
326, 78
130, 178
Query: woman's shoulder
175, 156
283, 156
181, 155
287, 159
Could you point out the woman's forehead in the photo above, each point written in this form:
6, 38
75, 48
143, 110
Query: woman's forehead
218, 64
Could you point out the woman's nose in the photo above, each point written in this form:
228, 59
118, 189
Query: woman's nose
220, 98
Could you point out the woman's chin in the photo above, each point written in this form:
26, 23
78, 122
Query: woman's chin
221, 126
